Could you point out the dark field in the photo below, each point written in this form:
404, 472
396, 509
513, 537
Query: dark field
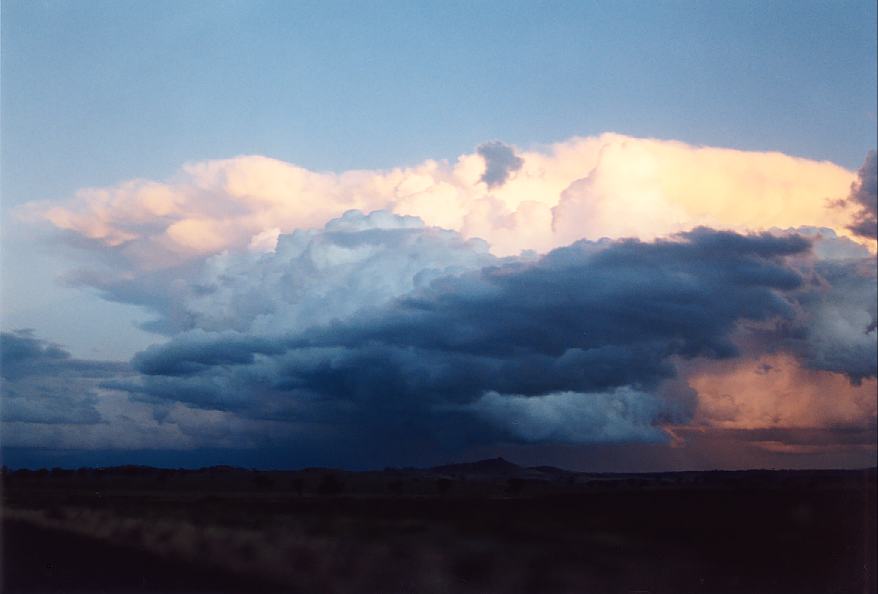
485, 527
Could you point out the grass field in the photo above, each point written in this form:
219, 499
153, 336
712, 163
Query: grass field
454, 529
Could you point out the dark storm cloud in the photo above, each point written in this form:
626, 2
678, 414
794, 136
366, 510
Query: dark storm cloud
42, 383
200, 350
585, 318
855, 351
579, 346
589, 332
22, 354
836, 327
864, 193
500, 162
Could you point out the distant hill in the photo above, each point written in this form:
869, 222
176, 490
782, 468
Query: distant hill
492, 467
552, 470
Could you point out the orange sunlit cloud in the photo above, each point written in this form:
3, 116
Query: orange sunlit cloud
603, 186
775, 391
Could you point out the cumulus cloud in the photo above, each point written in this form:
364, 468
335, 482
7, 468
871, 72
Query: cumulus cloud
838, 331
598, 341
580, 345
315, 276
42, 383
23, 355
311, 276
605, 186
53, 400
296, 318
500, 162
835, 329
864, 195
337, 336
622, 415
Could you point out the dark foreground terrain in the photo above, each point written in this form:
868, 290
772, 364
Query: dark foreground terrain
484, 527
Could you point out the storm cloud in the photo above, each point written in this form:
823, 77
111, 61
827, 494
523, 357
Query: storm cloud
864, 195
379, 330
539, 199
42, 383
295, 319
837, 307
55, 402
580, 345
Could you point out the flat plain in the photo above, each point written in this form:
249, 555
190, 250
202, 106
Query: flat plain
489, 526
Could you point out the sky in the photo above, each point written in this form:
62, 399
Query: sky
609, 236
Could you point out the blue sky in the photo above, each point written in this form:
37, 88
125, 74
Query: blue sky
96, 94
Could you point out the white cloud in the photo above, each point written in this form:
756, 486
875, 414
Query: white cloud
608, 185
623, 414
315, 276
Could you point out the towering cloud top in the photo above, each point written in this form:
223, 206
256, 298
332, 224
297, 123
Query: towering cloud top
600, 289
606, 186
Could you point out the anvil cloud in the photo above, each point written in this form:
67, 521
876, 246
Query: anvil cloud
602, 289
592, 187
